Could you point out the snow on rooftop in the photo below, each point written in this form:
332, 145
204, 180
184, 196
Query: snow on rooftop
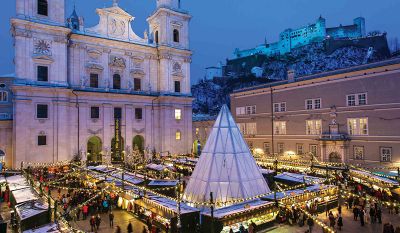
299, 178
238, 208
30, 209
24, 195
50, 228
163, 183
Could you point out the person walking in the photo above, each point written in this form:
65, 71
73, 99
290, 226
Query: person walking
111, 218
372, 214
332, 220
355, 213
379, 214
85, 210
362, 215
310, 223
340, 222
130, 228
98, 221
118, 230
92, 222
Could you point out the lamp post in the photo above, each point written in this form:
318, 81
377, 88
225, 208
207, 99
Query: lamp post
212, 212
179, 224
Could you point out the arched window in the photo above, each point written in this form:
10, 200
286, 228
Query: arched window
3, 96
42, 7
176, 35
116, 81
156, 37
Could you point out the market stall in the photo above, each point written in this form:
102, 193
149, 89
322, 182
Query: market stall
261, 213
49, 228
32, 214
371, 180
164, 211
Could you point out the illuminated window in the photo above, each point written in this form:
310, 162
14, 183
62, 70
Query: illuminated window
178, 114
178, 135
3, 96
197, 131
313, 127
248, 128
280, 127
357, 126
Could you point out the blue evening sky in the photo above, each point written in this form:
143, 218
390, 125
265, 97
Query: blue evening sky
220, 26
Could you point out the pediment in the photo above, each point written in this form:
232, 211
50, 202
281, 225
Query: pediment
94, 66
137, 72
43, 59
115, 23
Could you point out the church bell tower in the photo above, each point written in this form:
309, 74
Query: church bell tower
52, 11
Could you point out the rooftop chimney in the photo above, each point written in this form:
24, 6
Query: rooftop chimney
291, 76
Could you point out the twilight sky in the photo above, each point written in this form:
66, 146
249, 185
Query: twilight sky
220, 26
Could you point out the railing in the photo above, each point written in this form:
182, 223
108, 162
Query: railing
334, 137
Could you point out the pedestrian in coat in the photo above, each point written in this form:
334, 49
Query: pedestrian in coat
98, 221
310, 223
340, 222
362, 215
355, 213
118, 230
92, 223
111, 218
130, 228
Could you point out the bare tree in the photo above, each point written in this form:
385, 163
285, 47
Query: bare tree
394, 44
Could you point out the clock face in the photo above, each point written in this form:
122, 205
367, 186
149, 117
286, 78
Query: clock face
42, 47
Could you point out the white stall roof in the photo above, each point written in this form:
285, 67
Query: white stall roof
24, 195
156, 167
129, 177
30, 209
226, 166
238, 208
50, 228
170, 204
17, 182
163, 183
299, 178
380, 178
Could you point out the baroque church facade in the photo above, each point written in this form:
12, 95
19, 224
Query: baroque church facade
73, 85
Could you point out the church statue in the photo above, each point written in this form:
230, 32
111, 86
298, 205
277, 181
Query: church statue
83, 81
130, 85
146, 35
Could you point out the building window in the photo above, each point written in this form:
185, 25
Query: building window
197, 131
280, 107
94, 80
43, 73
250, 110
138, 113
94, 112
358, 152
42, 140
248, 128
156, 37
267, 148
314, 150
176, 36
299, 149
281, 148
137, 84
240, 111
117, 113
177, 86
357, 126
3, 96
313, 127
41, 111
313, 104
178, 114
357, 99
280, 127
42, 7
178, 135
116, 81
386, 154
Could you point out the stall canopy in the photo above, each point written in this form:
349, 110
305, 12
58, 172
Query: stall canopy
163, 183
17, 182
239, 208
226, 167
298, 178
50, 228
23, 195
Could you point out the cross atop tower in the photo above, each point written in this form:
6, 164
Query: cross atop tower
115, 2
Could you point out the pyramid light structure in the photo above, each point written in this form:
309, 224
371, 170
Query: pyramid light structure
226, 167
